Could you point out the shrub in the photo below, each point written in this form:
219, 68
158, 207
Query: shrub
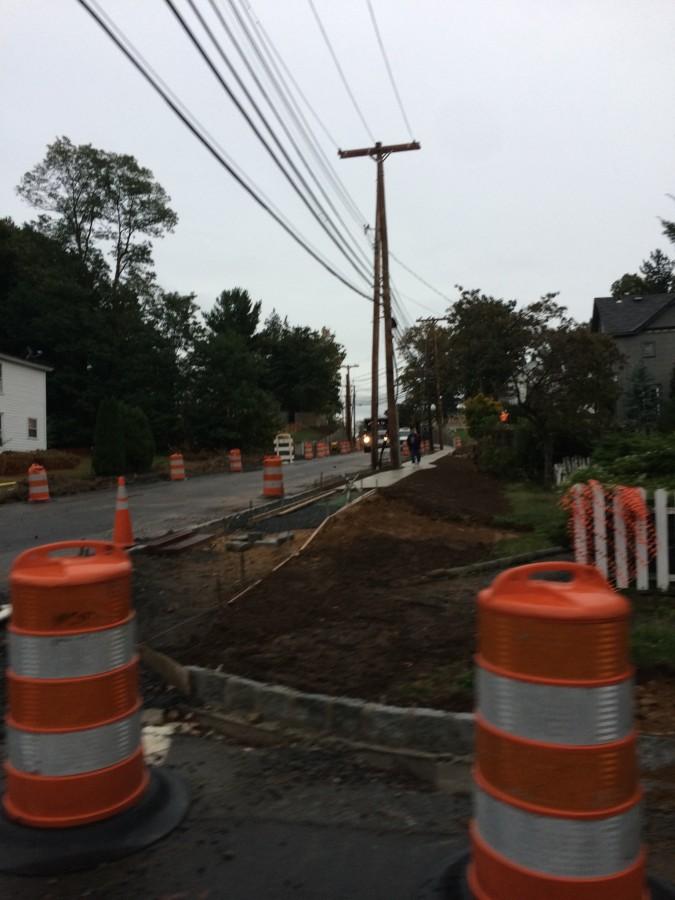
482, 415
17, 462
109, 453
139, 443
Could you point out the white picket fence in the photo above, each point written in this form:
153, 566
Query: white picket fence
626, 570
563, 470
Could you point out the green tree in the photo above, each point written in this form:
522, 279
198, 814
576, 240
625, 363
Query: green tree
418, 374
642, 400
302, 367
109, 453
656, 277
86, 195
139, 443
482, 415
234, 311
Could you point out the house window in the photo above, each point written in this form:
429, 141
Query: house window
648, 349
32, 428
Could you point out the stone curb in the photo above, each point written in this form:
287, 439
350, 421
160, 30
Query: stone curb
414, 728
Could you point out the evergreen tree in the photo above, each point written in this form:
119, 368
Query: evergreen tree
139, 443
109, 455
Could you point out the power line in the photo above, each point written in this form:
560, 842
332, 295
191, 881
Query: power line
134, 58
272, 61
337, 240
279, 118
389, 71
339, 68
419, 278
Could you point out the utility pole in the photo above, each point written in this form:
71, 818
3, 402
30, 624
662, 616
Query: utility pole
379, 153
348, 403
430, 320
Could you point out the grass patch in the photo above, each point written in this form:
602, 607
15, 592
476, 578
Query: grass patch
653, 632
535, 512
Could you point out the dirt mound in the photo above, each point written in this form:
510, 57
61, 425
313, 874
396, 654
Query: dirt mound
453, 490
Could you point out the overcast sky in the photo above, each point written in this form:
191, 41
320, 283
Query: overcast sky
547, 131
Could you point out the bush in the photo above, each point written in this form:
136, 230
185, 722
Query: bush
17, 463
139, 443
482, 415
109, 452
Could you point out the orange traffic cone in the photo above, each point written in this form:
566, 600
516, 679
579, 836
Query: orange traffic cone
123, 533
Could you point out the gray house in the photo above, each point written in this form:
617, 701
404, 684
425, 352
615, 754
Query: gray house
644, 331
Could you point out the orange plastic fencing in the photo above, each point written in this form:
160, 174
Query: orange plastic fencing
177, 467
38, 486
626, 504
273, 476
234, 457
73, 720
557, 794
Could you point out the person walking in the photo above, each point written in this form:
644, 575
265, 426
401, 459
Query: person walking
414, 444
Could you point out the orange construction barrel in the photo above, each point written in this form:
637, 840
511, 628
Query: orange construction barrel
308, 450
74, 754
556, 789
273, 476
38, 486
234, 457
177, 467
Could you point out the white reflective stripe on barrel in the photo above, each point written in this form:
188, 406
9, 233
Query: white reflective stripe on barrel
74, 752
556, 714
72, 655
565, 848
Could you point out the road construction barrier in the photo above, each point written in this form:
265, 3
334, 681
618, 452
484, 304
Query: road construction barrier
425, 447
457, 442
176, 467
284, 447
74, 754
405, 450
308, 450
345, 447
123, 533
38, 486
273, 476
322, 449
234, 457
557, 798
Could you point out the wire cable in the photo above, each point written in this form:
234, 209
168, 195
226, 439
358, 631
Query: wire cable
419, 278
357, 246
340, 71
272, 62
91, 7
389, 71
339, 243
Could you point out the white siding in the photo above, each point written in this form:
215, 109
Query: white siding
23, 396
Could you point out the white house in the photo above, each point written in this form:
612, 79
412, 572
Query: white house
23, 404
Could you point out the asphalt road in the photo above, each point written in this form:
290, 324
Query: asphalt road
284, 823
155, 508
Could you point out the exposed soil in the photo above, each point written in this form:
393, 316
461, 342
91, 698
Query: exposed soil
348, 616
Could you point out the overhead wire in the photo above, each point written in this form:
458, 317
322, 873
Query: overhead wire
129, 51
389, 69
273, 62
419, 278
261, 87
323, 219
341, 73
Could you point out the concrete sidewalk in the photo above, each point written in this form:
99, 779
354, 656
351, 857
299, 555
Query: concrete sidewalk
389, 477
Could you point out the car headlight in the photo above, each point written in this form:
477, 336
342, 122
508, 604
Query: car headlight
366, 439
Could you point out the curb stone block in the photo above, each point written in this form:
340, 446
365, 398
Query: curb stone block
242, 694
207, 686
347, 717
434, 730
275, 703
462, 733
313, 711
386, 725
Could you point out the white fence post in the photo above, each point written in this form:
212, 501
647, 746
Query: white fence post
641, 549
620, 549
662, 549
600, 529
579, 525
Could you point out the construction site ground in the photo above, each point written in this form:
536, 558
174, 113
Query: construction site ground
353, 613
